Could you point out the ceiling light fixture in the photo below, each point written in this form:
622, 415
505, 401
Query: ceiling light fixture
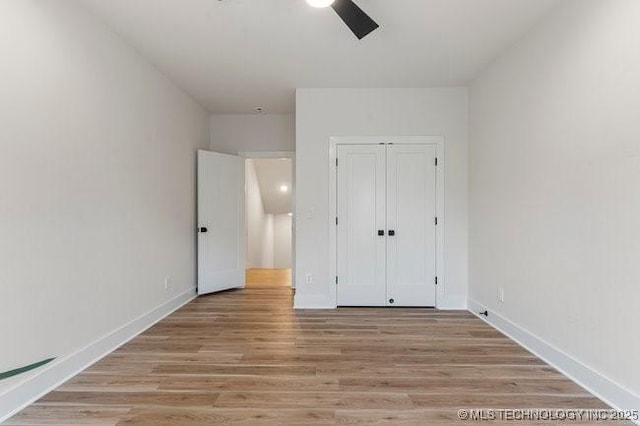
356, 19
284, 188
320, 3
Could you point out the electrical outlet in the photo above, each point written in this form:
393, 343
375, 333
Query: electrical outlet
501, 294
309, 278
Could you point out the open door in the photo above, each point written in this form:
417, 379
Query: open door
221, 222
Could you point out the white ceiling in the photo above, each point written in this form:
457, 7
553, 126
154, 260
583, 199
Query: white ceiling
272, 174
234, 55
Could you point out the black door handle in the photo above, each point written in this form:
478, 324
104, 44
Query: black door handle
203, 230
392, 233
380, 233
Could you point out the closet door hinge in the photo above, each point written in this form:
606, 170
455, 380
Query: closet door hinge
336, 220
436, 280
336, 280
336, 161
436, 161
436, 220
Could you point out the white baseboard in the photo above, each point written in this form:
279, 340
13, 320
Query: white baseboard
312, 301
319, 301
59, 371
607, 390
452, 303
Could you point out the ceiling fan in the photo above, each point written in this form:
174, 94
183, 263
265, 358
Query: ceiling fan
356, 19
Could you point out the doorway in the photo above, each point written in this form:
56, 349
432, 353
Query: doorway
269, 222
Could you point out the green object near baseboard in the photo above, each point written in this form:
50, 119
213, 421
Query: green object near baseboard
21, 370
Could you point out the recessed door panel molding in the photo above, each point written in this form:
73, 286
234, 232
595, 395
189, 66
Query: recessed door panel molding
386, 194
361, 214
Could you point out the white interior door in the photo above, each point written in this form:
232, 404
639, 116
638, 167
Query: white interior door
411, 216
221, 222
361, 215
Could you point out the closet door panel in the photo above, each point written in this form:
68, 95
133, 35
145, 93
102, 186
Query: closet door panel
411, 215
361, 215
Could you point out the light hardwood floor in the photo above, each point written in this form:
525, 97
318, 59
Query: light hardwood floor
267, 278
245, 357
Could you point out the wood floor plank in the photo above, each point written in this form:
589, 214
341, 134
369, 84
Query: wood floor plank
430, 417
234, 370
471, 399
244, 357
531, 386
132, 399
277, 400
250, 383
230, 416
41, 415
267, 278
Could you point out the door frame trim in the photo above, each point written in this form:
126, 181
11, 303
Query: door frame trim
438, 141
268, 154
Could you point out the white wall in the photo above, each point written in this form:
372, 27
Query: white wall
97, 183
322, 113
282, 241
256, 219
236, 133
555, 178
267, 243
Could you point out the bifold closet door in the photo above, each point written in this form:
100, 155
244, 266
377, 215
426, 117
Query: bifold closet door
361, 253
411, 216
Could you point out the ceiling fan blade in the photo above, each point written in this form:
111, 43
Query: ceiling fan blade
358, 21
